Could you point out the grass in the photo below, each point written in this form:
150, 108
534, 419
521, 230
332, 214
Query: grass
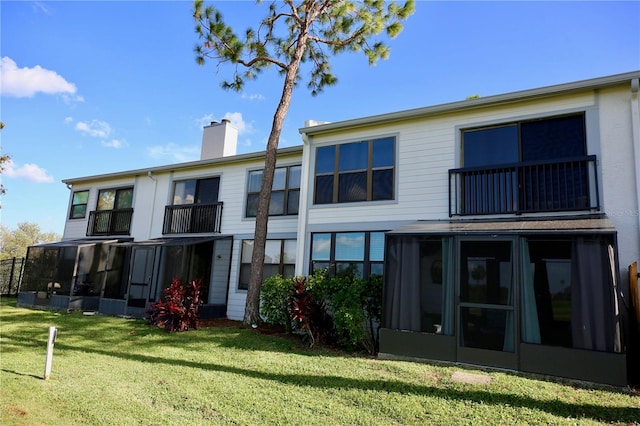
114, 371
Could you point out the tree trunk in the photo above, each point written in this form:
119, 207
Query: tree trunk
252, 305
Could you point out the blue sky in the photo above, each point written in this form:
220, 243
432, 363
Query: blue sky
98, 87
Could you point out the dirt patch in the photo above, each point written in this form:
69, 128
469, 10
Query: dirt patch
16, 410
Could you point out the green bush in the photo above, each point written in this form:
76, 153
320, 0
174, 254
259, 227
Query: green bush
347, 309
355, 305
274, 295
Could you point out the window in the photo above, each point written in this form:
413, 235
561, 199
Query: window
196, 191
357, 171
419, 284
112, 199
536, 140
285, 192
528, 166
279, 259
195, 207
357, 253
79, 205
568, 295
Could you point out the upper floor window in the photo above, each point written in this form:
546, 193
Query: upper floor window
356, 253
535, 140
79, 204
525, 167
196, 191
285, 192
357, 171
113, 199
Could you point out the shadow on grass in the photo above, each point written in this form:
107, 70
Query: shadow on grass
559, 408
83, 330
17, 373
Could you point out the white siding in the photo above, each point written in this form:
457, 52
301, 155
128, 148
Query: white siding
427, 148
617, 165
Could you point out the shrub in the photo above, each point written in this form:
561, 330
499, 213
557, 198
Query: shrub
274, 297
178, 309
355, 305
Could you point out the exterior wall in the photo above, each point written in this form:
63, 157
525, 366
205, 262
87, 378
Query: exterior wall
428, 147
617, 160
153, 192
77, 228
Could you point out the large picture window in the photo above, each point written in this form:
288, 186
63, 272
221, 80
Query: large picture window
356, 253
354, 172
196, 191
536, 140
79, 205
285, 192
524, 167
111, 199
279, 259
568, 293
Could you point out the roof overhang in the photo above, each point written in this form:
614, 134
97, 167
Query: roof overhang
556, 225
177, 241
81, 242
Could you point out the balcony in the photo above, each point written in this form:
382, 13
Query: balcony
192, 218
109, 222
570, 184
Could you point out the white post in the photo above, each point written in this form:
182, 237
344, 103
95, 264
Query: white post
52, 339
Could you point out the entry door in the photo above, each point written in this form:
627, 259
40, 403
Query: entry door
142, 261
486, 294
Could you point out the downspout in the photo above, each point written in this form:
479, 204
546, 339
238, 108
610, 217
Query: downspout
635, 136
303, 208
153, 203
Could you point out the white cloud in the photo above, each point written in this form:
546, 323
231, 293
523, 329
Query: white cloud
28, 171
115, 143
205, 120
26, 82
244, 128
40, 7
68, 120
252, 97
238, 121
172, 152
94, 128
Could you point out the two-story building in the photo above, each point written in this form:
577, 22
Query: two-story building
503, 227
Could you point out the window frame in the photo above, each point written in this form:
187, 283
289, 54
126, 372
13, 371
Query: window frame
281, 264
332, 262
334, 177
116, 198
75, 204
196, 188
287, 190
518, 123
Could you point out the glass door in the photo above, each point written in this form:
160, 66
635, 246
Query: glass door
141, 274
486, 317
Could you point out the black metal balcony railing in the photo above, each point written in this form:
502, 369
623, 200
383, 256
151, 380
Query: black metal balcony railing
545, 186
110, 222
192, 218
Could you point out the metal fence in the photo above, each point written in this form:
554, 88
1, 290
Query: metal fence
11, 276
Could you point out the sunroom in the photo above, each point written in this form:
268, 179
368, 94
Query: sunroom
536, 296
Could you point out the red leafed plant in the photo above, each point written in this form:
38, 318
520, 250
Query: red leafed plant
178, 309
308, 314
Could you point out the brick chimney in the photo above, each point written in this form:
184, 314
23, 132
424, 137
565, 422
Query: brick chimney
219, 140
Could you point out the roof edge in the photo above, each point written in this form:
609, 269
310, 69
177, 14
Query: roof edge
468, 104
183, 166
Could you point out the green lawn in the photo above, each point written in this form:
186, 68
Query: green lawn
114, 371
